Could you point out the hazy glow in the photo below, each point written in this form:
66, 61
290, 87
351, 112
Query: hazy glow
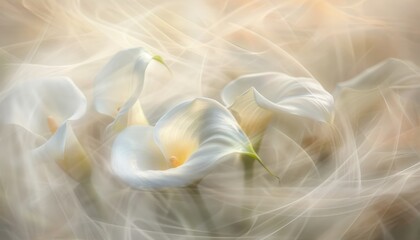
355, 176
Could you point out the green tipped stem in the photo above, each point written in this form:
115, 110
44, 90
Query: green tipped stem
249, 157
90, 200
160, 60
202, 208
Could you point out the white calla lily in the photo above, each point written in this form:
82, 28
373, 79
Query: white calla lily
256, 98
390, 73
45, 107
118, 87
184, 146
364, 94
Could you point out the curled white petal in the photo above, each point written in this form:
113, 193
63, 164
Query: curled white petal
136, 159
202, 120
121, 78
45, 107
255, 98
390, 73
64, 147
279, 92
368, 92
119, 85
31, 103
202, 131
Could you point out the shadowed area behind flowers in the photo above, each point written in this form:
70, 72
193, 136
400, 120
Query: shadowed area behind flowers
353, 176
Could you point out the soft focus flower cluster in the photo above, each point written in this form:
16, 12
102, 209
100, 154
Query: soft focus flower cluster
185, 144
193, 138
285, 119
188, 141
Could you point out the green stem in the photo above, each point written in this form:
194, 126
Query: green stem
202, 208
90, 200
249, 157
248, 163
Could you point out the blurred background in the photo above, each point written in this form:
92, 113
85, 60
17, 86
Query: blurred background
359, 182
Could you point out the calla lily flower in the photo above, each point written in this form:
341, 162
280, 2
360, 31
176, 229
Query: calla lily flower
255, 98
118, 87
184, 146
390, 73
45, 108
361, 95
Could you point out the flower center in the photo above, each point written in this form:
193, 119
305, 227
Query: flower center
180, 152
175, 162
52, 124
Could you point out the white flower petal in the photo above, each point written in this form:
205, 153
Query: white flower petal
203, 121
136, 158
369, 92
31, 104
392, 73
127, 116
252, 118
120, 79
118, 87
45, 107
280, 92
202, 131
65, 148
254, 98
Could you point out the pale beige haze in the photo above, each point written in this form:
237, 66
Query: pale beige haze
350, 172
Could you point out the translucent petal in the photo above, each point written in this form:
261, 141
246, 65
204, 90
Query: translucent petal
391, 72
252, 118
45, 107
32, 104
202, 121
119, 85
280, 92
120, 79
201, 130
65, 148
255, 98
137, 160
369, 92
126, 117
